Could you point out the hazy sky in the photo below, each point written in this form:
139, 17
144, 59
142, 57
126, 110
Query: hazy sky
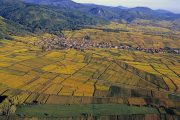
172, 5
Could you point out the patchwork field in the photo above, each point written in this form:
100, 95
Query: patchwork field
93, 76
64, 60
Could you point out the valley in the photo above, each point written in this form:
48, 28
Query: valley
89, 76
65, 60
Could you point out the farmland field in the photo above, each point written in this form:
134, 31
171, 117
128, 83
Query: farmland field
129, 34
92, 76
78, 110
63, 59
96, 81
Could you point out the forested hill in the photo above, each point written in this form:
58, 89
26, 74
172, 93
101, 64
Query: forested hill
44, 18
110, 13
56, 15
8, 28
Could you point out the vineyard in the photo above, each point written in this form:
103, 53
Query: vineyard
93, 76
67, 60
129, 34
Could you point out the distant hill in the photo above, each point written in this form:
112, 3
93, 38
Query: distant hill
60, 3
112, 13
117, 14
56, 15
44, 18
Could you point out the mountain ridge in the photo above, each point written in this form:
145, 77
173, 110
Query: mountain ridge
44, 18
55, 15
110, 11
50, 2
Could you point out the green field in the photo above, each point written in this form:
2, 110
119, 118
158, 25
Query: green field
80, 110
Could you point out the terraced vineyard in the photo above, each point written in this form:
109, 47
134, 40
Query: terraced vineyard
93, 76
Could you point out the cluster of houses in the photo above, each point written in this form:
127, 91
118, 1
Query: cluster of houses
159, 50
63, 43
47, 44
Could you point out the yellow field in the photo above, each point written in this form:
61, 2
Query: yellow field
135, 35
75, 73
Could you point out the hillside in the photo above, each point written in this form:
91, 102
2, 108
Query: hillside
110, 13
82, 20
3, 30
135, 35
54, 16
44, 18
8, 28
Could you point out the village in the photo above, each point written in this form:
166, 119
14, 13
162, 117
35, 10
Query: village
63, 43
